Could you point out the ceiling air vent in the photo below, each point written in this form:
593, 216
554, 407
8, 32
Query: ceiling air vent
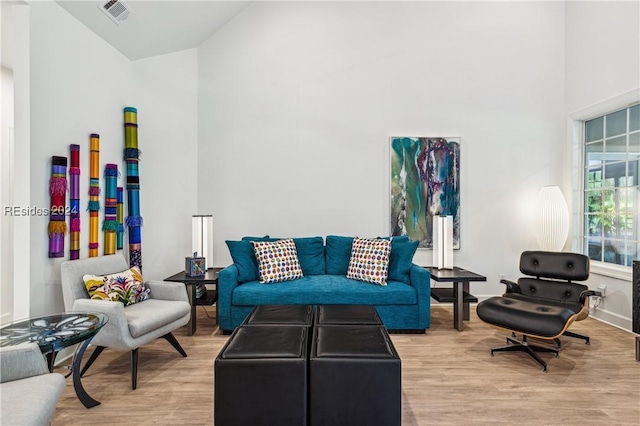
117, 10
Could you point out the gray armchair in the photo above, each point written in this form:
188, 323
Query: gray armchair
134, 325
29, 393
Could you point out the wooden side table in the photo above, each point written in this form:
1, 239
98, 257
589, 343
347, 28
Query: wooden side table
208, 299
459, 295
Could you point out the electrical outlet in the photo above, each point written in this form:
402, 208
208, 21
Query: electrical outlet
602, 289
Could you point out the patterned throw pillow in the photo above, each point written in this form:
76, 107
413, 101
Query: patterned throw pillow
277, 260
369, 260
126, 286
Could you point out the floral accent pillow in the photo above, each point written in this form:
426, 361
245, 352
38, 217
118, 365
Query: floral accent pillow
277, 260
369, 260
126, 287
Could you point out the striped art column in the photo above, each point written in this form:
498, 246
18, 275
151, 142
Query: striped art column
58, 192
110, 224
120, 218
74, 202
94, 193
132, 156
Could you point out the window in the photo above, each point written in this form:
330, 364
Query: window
611, 226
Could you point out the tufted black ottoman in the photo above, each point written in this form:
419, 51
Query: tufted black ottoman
281, 315
261, 377
354, 377
348, 315
528, 318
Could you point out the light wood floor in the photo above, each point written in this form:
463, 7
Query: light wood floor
448, 378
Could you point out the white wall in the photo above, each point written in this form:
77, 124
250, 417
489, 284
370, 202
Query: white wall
6, 221
79, 86
21, 268
297, 102
602, 62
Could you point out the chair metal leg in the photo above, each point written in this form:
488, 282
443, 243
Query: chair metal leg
94, 355
134, 369
174, 342
51, 359
524, 346
576, 335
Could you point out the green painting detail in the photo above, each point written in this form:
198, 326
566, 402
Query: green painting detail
425, 182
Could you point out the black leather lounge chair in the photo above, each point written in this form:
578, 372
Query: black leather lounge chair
543, 304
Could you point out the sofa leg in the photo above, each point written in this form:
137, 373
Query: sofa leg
169, 337
134, 369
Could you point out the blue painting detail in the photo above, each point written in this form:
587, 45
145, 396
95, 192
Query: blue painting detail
425, 182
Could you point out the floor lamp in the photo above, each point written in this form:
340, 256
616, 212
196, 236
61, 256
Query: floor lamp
552, 219
202, 237
443, 242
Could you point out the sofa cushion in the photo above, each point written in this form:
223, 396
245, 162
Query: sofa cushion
245, 260
338, 254
369, 260
324, 290
311, 255
250, 238
401, 259
31, 401
397, 238
143, 318
277, 260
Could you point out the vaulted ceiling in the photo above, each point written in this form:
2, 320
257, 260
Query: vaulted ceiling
156, 27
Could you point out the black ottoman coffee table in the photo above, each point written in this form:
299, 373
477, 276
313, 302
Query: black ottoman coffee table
261, 377
281, 315
354, 377
348, 315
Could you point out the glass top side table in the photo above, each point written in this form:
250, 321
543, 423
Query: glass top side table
52, 333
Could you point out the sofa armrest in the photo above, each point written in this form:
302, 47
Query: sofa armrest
421, 280
584, 296
117, 326
512, 287
165, 290
227, 282
22, 361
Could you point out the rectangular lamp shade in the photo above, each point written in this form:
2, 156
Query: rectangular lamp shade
202, 237
443, 242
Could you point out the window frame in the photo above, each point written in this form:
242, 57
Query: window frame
576, 135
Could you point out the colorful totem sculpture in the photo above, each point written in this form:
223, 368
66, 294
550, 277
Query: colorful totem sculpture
120, 218
74, 202
132, 156
110, 224
94, 193
58, 193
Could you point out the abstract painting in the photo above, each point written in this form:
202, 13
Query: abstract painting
425, 182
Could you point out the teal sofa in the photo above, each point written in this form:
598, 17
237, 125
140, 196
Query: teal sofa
403, 304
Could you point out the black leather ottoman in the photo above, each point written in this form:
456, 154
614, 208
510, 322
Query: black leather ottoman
523, 316
261, 377
354, 377
348, 315
281, 315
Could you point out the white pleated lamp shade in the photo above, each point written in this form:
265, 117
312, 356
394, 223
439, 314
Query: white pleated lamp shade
552, 219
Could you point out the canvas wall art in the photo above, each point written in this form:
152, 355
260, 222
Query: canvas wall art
425, 182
